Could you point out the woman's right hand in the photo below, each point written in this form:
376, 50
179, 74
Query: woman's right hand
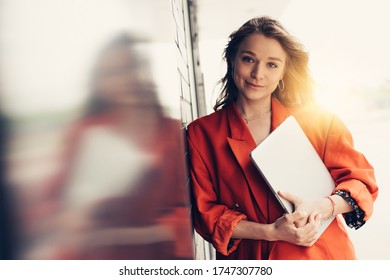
286, 230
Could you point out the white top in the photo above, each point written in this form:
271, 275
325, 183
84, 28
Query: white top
107, 165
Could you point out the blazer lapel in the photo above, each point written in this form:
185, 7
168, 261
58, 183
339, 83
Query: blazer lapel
279, 113
242, 144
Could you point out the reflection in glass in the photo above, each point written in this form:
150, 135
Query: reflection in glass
119, 190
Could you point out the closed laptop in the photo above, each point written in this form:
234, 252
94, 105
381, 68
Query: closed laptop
288, 162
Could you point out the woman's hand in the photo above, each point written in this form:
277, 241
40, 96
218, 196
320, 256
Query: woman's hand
323, 207
286, 230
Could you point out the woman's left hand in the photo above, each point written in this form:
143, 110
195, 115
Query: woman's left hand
321, 207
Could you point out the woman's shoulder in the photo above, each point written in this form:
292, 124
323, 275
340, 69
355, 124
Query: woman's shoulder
319, 122
313, 115
211, 122
74, 131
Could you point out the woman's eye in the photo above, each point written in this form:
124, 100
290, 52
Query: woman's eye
272, 65
248, 59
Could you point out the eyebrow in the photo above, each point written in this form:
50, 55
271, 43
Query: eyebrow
270, 58
275, 58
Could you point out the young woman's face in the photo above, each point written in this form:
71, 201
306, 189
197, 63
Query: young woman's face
259, 65
115, 77
122, 79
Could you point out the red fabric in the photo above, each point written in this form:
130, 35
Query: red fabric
228, 188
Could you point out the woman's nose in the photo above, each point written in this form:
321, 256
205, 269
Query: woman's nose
257, 71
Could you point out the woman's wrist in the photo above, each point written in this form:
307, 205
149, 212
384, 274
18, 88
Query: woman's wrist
255, 231
327, 207
271, 232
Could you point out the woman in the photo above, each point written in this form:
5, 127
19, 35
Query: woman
267, 80
121, 194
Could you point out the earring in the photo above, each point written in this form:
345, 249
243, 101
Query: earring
232, 72
281, 85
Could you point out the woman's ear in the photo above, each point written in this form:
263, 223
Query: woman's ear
284, 72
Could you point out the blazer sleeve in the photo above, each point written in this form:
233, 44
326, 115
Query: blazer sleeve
349, 168
212, 220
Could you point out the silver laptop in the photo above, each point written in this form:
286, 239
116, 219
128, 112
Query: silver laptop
288, 162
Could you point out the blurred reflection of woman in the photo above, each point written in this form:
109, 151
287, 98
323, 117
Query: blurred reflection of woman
122, 194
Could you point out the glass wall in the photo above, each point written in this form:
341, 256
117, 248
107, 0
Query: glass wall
95, 95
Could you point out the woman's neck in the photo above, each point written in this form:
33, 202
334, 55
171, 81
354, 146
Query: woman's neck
251, 109
135, 121
134, 114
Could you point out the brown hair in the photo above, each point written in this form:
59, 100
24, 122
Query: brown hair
297, 80
96, 104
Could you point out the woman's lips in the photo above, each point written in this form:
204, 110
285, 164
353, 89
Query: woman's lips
254, 85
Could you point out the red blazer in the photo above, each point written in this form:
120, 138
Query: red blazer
227, 187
